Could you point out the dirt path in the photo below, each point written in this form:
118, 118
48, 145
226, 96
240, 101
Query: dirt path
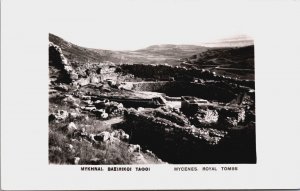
114, 120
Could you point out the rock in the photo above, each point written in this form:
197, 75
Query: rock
59, 115
231, 121
89, 108
74, 85
120, 106
141, 109
87, 142
62, 87
99, 112
232, 116
114, 140
111, 82
74, 115
84, 134
73, 76
70, 148
95, 161
207, 116
150, 153
70, 99
120, 134
100, 104
55, 149
139, 158
88, 102
71, 127
76, 160
75, 105
125, 137
94, 79
86, 97
92, 137
104, 115
74, 141
241, 115
103, 136
134, 148
83, 81
68, 69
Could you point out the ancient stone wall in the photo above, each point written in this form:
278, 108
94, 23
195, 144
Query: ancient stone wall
175, 142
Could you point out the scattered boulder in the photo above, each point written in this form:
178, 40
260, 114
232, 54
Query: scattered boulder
55, 149
76, 160
94, 79
231, 121
83, 81
120, 134
207, 116
140, 109
103, 136
92, 138
58, 115
95, 161
88, 102
70, 148
73, 76
74, 115
104, 115
70, 99
86, 97
62, 87
99, 112
134, 148
89, 108
120, 106
101, 104
71, 127
114, 140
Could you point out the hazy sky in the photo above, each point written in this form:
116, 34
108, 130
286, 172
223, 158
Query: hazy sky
134, 24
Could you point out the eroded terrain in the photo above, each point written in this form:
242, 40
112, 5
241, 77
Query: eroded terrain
113, 112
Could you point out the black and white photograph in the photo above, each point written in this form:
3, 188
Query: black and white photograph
166, 103
150, 94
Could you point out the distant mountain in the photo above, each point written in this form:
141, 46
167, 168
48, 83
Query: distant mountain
240, 57
235, 62
156, 54
171, 50
230, 43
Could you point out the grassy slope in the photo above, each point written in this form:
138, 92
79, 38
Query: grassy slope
157, 54
240, 57
235, 62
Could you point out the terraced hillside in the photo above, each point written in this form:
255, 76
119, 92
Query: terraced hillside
130, 107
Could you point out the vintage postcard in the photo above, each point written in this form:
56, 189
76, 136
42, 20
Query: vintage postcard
130, 95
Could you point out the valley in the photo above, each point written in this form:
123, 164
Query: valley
177, 104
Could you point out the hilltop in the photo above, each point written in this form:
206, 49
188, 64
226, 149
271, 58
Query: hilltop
130, 107
155, 54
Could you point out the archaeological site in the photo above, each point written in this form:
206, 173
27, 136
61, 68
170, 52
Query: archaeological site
164, 104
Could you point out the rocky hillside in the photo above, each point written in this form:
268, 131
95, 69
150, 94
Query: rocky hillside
239, 57
156, 54
235, 62
81, 54
116, 107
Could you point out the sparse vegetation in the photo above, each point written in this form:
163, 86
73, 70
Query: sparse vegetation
111, 107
